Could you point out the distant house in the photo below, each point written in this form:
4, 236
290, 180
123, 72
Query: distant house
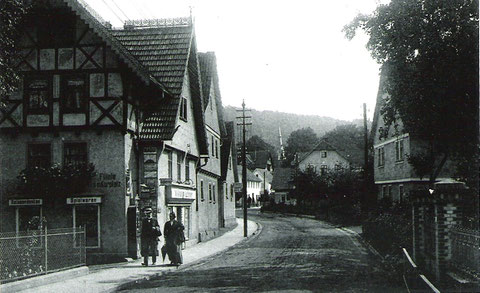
281, 185
324, 157
254, 184
394, 176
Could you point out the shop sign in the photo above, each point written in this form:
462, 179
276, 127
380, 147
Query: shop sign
181, 193
238, 187
84, 200
25, 202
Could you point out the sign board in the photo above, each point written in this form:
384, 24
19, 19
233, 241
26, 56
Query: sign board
238, 187
25, 202
182, 193
84, 200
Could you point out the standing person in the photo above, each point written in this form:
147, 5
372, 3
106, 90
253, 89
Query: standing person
149, 237
174, 237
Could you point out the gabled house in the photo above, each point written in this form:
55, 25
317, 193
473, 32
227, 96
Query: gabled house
254, 186
82, 99
229, 176
209, 173
282, 185
172, 138
324, 157
394, 176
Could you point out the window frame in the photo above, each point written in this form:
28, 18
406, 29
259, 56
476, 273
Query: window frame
202, 193
399, 150
209, 192
29, 157
184, 109
323, 154
65, 93
381, 157
179, 166
99, 227
83, 144
30, 79
170, 164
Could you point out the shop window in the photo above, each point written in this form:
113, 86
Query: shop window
39, 155
37, 94
74, 94
88, 217
183, 217
75, 153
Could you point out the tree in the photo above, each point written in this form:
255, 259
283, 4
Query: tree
256, 143
429, 55
301, 140
11, 15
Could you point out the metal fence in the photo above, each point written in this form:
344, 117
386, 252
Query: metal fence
31, 253
466, 250
414, 280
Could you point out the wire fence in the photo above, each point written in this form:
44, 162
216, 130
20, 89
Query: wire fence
30, 253
466, 250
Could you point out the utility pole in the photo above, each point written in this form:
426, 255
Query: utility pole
244, 167
365, 154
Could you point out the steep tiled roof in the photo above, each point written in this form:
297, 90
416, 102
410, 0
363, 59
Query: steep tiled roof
260, 159
250, 175
160, 124
163, 50
324, 145
282, 178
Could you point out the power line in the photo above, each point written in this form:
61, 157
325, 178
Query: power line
113, 1
121, 20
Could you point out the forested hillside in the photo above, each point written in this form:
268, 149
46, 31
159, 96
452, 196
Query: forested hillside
266, 124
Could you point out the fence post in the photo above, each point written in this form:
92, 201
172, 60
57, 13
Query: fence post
46, 250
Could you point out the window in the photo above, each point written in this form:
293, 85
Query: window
230, 163
183, 216
390, 190
384, 191
37, 94
187, 170
75, 153
88, 218
170, 165
401, 193
323, 169
399, 150
183, 108
209, 192
179, 166
213, 146
213, 193
216, 149
381, 157
39, 155
202, 195
226, 191
74, 94
323, 154
231, 192
25, 215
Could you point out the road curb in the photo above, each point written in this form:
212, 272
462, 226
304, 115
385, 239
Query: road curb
189, 265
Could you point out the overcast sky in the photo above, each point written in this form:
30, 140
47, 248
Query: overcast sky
287, 56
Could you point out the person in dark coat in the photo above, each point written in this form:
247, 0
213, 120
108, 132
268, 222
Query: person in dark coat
174, 237
149, 237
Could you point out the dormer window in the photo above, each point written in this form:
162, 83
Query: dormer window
323, 154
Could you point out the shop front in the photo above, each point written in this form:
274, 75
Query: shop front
179, 199
86, 213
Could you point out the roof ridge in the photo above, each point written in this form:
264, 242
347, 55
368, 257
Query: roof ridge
158, 22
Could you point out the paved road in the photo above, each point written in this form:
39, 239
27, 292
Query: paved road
290, 255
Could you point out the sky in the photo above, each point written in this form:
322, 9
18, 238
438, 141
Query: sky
280, 55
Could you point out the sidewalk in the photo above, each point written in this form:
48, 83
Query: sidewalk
111, 277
